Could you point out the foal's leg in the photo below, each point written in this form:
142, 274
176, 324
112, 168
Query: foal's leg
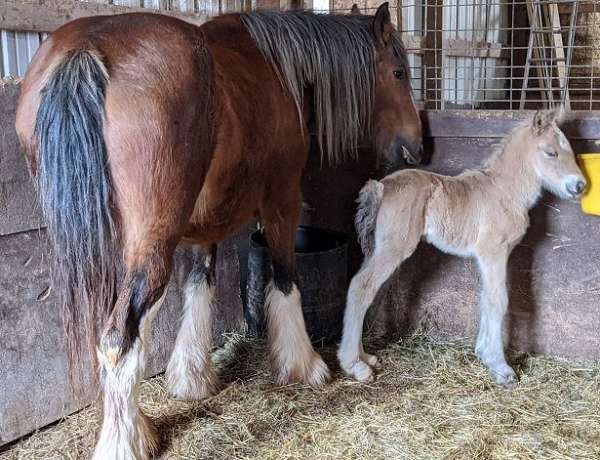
362, 291
397, 237
494, 303
190, 374
126, 432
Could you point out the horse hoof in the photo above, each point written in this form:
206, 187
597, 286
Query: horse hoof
371, 360
319, 375
505, 377
189, 382
140, 441
315, 373
360, 371
194, 388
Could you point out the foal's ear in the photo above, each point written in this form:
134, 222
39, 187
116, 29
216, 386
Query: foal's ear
542, 121
355, 10
382, 24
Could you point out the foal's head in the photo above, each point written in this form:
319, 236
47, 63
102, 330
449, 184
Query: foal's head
395, 122
553, 157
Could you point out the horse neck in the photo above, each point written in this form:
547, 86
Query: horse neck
512, 170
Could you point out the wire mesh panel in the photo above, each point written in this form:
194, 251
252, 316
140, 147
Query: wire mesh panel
503, 54
497, 54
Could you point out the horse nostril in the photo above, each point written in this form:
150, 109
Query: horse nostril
579, 186
576, 187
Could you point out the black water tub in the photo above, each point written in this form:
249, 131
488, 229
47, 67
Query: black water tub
322, 276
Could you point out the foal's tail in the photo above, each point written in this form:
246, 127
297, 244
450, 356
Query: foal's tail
75, 189
369, 201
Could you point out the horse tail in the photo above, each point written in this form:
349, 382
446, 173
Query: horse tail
369, 202
75, 188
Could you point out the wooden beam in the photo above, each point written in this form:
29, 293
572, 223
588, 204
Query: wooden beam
433, 56
480, 124
469, 48
589, 7
49, 15
559, 52
415, 44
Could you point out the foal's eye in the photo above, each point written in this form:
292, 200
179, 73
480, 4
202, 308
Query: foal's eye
399, 74
550, 153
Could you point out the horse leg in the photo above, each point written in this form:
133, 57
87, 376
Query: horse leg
190, 374
126, 432
363, 289
292, 355
494, 303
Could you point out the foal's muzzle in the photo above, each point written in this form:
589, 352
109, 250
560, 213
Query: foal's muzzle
576, 187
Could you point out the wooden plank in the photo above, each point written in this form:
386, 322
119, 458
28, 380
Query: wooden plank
48, 15
433, 58
498, 123
582, 7
559, 52
414, 43
34, 389
19, 209
455, 47
469, 48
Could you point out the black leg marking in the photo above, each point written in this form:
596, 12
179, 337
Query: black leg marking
204, 266
283, 276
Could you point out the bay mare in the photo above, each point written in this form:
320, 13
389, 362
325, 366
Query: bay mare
145, 132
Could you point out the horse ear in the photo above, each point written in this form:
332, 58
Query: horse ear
542, 120
355, 10
382, 24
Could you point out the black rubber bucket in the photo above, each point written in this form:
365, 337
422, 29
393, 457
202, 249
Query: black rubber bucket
322, 276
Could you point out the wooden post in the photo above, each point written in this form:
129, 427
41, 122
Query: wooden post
432, 59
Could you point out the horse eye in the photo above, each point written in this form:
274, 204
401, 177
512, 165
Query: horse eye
399, 74
551, 154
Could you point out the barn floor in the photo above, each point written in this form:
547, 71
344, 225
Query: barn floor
432, 400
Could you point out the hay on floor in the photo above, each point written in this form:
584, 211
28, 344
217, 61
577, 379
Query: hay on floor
431, 400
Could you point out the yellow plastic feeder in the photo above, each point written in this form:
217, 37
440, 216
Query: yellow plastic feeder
590, 165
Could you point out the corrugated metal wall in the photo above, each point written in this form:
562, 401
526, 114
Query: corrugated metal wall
17, 48
467, 80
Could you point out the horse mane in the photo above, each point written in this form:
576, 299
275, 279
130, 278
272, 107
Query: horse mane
335, 56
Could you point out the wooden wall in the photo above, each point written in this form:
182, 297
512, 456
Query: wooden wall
34, 389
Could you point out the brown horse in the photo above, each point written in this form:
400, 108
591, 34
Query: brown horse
144, 132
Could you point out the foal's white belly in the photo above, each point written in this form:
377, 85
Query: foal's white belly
456, 248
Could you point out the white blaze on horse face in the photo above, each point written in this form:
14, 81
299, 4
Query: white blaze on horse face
292, 353
190, 374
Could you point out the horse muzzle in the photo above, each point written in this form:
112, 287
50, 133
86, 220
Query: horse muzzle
575, 187
410, 152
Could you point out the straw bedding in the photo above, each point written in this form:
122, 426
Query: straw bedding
431, 400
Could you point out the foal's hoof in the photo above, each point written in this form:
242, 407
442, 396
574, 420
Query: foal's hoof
360, 371
371, 360
505, 377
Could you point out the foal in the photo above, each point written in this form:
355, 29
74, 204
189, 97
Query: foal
481, 214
